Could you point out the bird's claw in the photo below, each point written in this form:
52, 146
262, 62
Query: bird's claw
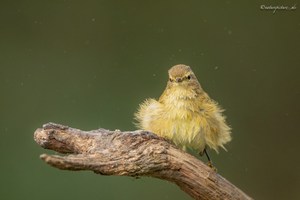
209, 163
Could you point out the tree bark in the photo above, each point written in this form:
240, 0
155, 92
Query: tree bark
133, 153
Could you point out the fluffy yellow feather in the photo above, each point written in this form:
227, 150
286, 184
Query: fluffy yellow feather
185, 114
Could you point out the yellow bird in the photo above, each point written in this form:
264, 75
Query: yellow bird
185, 114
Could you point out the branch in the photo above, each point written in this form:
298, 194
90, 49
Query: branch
133, 153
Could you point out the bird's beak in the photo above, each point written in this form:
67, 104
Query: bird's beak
178, 80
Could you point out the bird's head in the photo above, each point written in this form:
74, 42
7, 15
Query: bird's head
182, 75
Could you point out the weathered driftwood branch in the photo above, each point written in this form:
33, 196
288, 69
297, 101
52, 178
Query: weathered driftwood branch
133, 153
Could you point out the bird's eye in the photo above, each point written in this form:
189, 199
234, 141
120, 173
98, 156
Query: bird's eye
189, 77
171, 80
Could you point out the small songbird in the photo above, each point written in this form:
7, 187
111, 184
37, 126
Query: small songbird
185, 114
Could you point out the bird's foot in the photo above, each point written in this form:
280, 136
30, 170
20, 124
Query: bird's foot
209, 163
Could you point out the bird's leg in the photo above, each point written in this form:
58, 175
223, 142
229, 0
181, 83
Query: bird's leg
208, 158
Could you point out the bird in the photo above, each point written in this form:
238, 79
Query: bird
185, 114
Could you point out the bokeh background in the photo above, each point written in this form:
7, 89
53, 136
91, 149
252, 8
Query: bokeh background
88, 64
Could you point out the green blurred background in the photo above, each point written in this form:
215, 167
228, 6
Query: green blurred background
88, 64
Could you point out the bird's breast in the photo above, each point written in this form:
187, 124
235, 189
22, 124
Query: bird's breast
181, 104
